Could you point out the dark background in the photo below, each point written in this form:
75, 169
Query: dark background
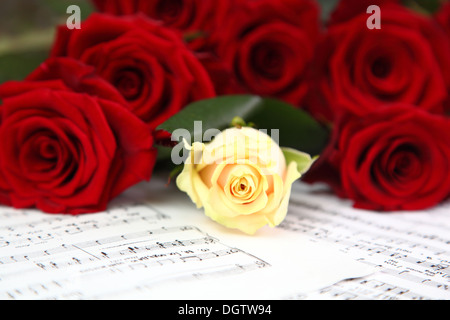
27, 29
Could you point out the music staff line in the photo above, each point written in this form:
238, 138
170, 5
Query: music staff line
15, 238
58, 289
298, 221
427, 267
87, 244
112, 213
364, 290
421, 262
134, 255
317, 212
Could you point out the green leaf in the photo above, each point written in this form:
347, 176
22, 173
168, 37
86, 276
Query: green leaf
59, 7
16, 66
303, 160
27, 32
163, 153
326, 8
297, 129
423, 6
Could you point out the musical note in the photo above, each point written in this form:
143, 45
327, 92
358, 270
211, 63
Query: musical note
408, 247
136, 248
90, 252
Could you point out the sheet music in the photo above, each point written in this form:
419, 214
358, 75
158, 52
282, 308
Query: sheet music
153, 243
411, 250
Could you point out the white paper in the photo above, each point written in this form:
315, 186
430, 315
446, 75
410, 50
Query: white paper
154, 244
411, 250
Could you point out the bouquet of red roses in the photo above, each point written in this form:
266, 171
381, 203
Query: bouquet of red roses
364, 85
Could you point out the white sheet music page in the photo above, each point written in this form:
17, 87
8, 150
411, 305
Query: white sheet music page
411, 250
153, 243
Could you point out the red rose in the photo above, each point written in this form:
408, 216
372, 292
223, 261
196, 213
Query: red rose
265, 48
442, 17
358, 69
195, 18
66, 74
148, 64
68, 152
394, 158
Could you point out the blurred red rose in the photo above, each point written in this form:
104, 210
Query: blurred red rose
147, 63
442, 16
394, 158
65, 151
348, 9
194, 18
358, 69
66, 74
265, 48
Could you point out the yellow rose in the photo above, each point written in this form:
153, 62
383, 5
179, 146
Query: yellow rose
242, 178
